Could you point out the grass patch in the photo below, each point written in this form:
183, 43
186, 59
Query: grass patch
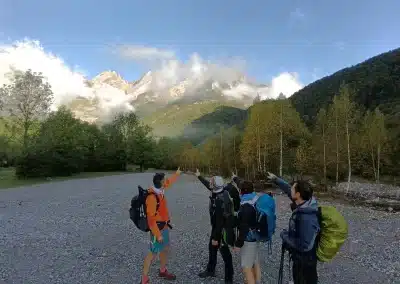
9, 180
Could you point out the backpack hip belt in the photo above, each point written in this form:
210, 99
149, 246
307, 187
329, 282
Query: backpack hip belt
161, 224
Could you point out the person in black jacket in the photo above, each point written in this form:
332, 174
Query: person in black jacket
247, 240
221, 215
234, 191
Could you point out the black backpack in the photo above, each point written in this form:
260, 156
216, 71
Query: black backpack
137, 212
234, 192
225, 200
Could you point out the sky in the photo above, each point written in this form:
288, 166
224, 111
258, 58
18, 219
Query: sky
264, 39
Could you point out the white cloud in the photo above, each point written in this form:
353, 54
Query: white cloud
140, 52
167, 71
286, 83
197, 70
67, 83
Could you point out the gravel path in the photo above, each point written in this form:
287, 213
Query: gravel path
79, 231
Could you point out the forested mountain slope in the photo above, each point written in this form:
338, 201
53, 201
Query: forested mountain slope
376, 82
211, 123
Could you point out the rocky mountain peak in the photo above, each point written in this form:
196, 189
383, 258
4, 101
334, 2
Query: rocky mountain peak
113, 79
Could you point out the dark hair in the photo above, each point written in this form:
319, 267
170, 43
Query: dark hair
247, 187
157, 179
258, 186
304, 188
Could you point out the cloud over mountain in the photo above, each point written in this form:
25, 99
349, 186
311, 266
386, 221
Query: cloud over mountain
169, 77
67, 83
168, 70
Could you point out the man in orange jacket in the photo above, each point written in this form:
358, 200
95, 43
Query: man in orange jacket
159, 225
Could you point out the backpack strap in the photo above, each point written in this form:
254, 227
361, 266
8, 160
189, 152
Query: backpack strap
235, 186
319, 214
157, 200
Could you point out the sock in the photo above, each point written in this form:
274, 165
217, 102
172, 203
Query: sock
163, 269
145, 279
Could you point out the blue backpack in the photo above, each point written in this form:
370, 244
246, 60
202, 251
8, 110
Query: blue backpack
266, 217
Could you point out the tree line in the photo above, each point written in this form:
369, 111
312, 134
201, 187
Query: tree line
346, 140
44, 143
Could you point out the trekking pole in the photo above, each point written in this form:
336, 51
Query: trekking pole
280, 277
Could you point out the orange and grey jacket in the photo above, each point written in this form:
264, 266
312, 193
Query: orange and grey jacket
158, 220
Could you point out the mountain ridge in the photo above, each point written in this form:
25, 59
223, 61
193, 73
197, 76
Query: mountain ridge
376, 83
151, 93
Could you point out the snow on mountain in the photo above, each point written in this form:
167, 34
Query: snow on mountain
173, 80
150, 85
141, 86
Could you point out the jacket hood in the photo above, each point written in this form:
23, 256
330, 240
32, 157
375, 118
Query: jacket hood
155, 190
308, 206
217, 183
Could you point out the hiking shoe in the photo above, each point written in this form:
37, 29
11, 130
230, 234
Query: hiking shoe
166, 275
145, 280
206, 274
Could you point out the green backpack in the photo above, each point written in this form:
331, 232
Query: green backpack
334, 231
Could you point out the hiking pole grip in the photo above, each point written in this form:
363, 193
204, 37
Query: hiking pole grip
280, 277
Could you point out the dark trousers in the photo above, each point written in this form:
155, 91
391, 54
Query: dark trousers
226, 256
305, 271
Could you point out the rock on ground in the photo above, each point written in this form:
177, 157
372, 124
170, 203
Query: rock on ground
79, 231
367, 191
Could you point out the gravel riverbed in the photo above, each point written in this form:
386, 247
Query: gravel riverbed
79, 231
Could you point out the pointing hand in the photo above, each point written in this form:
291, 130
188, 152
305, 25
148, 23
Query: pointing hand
271, 176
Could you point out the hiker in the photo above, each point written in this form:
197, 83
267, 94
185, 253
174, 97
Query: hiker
247, 240
301, 238
234, 191
221, 216
159, 225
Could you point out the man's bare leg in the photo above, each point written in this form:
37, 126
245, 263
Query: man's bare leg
249, 275
164, 257
257, 273
146, 267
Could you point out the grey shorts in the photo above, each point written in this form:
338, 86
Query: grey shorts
249, 254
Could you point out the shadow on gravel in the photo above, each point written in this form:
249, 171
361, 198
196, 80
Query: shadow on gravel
79, 231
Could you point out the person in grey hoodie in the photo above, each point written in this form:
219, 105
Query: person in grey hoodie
222, 222
301, 239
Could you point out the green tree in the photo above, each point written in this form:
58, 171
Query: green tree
375, 138
345, 116
305, 158
27, 98
141, 146
273, 132
126, 125
57, 148
320, 141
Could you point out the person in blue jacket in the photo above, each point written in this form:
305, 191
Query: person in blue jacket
301, 239
247, 240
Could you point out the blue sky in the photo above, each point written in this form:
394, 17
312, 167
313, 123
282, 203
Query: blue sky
312, 38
